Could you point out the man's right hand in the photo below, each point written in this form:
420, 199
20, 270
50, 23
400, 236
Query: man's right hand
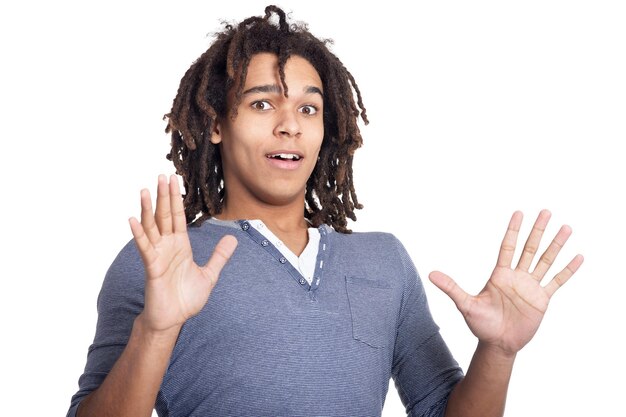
176, 287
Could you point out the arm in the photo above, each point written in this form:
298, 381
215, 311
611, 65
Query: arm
175, 290
423, 368
131, 388
482, 392
504, 316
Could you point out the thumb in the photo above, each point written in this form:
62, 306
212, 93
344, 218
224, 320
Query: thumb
221, 254
448, 286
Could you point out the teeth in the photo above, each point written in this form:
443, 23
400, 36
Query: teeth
291, 156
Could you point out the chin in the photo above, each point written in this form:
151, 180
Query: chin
282, 197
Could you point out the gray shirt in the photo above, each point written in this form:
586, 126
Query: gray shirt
268, 343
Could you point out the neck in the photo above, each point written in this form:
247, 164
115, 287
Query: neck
285, 221
287, 218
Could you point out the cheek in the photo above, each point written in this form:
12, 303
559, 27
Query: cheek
321, 139
316, 132
239, 140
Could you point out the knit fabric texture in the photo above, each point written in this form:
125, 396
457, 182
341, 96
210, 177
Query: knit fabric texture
268, 343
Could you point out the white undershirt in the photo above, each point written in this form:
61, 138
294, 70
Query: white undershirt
305, 263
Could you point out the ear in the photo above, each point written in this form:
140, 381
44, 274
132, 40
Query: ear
216, 136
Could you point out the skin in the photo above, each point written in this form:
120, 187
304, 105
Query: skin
176, 287
267, 122
504, 316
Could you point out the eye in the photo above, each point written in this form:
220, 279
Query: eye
261, 105
308, 109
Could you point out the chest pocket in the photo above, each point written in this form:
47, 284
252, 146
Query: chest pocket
370, 306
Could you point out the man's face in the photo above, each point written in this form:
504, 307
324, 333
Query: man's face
270, 149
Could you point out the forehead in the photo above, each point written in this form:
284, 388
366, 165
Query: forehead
263, 70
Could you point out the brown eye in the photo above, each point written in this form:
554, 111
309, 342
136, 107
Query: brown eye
308, 109
261, 105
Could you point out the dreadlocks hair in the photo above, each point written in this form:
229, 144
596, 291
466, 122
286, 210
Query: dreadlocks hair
202, 98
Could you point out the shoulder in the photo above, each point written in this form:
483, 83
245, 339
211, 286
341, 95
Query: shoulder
126, 275
209, 232
375, 250
375, 243
126, 267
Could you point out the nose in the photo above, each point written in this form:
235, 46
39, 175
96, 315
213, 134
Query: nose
287, 124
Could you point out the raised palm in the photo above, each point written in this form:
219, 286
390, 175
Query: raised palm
508, 311
176, 287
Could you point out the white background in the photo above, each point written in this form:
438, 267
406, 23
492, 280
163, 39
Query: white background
477, 109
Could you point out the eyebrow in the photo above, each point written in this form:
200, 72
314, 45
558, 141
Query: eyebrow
273, 88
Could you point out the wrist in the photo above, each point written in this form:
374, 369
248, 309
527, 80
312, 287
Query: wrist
496, 353
154, 336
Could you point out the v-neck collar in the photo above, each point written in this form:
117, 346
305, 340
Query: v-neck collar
305, 260
259, 239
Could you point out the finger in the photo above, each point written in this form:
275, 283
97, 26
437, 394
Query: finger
163, 214
507, 248
448, 286
534, 239
147, 217
221, 254
548, 257
178, 210
146, 250
563, 276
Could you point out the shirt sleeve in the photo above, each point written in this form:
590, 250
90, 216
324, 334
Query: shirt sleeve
423, 368
119, 302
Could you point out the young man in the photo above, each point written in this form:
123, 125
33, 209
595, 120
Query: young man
306, 318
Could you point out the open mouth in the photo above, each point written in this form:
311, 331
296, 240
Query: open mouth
284, 156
